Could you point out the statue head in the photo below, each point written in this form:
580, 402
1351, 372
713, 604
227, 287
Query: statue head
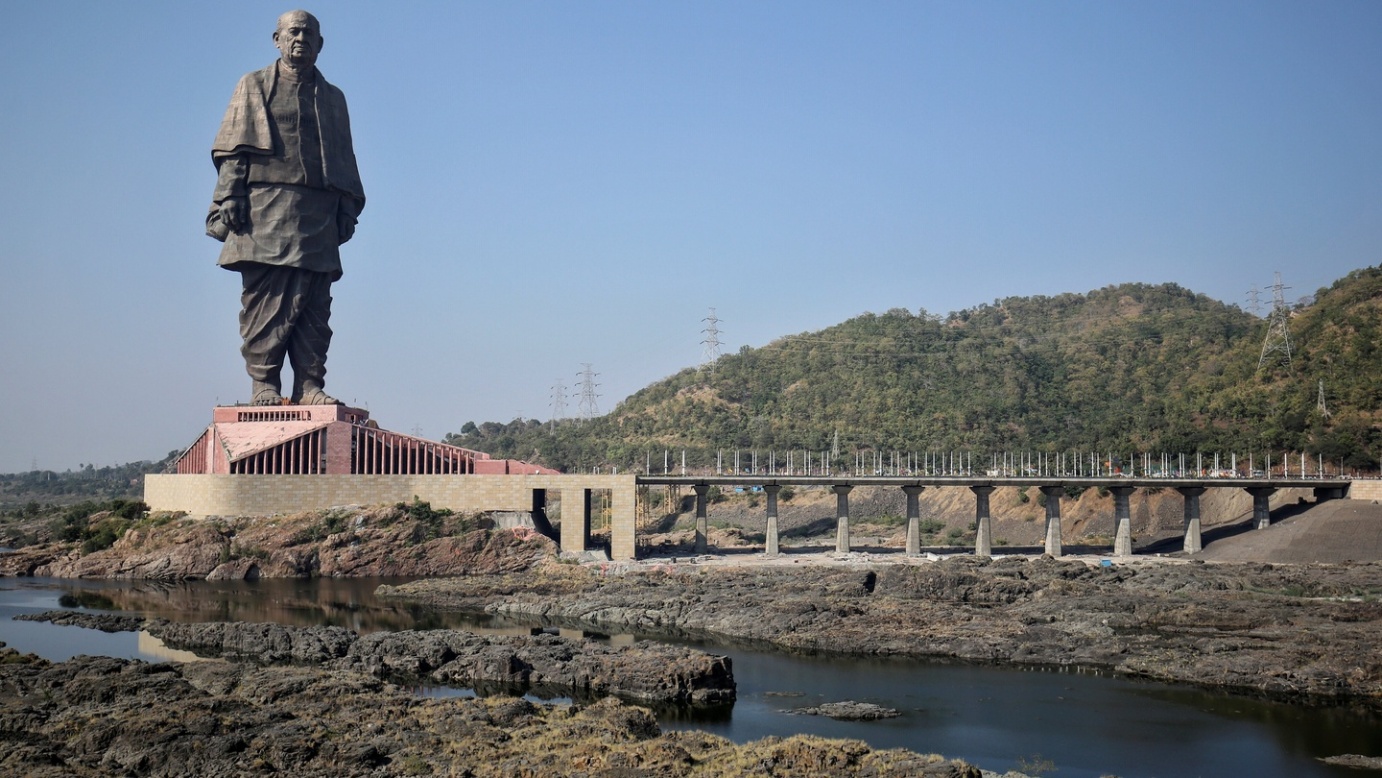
298, 38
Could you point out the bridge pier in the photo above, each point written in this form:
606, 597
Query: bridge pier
1192, 517
1261, 505
702, 522
771, 491
983, 524
1053, 533
841, 517
913, 518
1122, 518
575, 520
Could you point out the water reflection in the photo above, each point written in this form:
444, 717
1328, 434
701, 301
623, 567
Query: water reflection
348, 603
151, 646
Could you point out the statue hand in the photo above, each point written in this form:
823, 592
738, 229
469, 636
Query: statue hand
345, 227
235, 213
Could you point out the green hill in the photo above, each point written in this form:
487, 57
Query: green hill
1134, 367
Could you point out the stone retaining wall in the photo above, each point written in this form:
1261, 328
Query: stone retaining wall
265, 495
1365, 490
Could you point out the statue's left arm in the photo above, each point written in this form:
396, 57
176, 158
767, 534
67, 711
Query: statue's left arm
342, 172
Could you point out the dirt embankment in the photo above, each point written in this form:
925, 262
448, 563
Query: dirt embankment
352, 542
95, 716
1302, 631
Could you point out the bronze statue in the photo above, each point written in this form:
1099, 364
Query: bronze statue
287, 196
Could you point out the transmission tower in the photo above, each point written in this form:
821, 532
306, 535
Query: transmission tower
711, 342
1324, 409
558, 401
1278, 340
590, 406
1255, 300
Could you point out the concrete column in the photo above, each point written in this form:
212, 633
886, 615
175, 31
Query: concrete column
1122, 519
623, 524
702, 523
841, 517
913, 518
1053, 539
1192, 517
771, 490
1261, 505
575, 519
983, 525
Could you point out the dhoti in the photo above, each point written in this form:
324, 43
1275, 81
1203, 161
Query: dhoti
285, 310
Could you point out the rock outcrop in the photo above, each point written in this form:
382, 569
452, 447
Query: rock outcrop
1293, 631
849, 710
356, 542
644, 672
96, 716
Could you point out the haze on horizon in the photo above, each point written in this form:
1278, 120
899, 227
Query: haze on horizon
558, 184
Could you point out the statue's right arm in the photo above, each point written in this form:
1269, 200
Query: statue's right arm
232, 192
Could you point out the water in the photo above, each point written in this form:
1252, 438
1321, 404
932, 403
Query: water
1085, 723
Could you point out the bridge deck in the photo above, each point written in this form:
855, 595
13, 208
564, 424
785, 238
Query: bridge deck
985, 480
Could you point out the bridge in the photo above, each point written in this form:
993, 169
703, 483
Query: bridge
1053, 487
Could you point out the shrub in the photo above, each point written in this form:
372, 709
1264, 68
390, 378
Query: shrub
104, 534
76, 522
929, 526
429, 523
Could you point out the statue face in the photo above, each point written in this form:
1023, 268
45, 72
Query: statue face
298, 38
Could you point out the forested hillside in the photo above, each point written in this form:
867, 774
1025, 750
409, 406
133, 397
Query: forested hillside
38, 490
1134, 367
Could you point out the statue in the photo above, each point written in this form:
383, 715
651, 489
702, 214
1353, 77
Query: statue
287, 196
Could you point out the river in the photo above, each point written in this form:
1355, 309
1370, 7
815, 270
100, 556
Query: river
1082, 723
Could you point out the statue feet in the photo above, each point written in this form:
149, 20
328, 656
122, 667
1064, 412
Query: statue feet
265, 394
315, 395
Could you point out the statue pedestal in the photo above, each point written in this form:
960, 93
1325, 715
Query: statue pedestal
326, 440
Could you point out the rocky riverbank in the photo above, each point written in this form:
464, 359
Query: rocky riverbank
96, 716
381, 541
1305, 632
645, 672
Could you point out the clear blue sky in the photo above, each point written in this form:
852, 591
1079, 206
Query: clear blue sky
566, 182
